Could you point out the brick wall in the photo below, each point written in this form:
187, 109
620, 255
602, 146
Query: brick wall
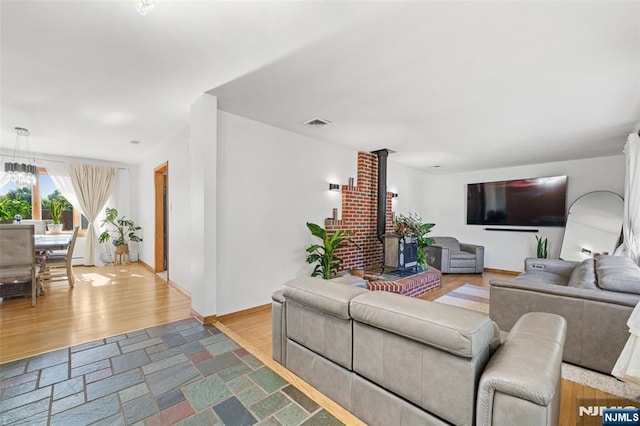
359, 215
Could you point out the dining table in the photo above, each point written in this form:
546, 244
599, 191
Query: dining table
43, 244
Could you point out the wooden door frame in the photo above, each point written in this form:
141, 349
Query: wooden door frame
159, 183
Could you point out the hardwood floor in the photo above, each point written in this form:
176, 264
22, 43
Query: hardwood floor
112, 300
105, 301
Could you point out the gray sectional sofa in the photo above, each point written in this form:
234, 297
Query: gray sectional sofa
595, 296
395, 360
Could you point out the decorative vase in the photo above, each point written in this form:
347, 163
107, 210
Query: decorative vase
55, 228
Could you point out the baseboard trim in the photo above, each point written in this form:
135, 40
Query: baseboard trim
244, 312
210, 319
146, 266
180, 289
501, 271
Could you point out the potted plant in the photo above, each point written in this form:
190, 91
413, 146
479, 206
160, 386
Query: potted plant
56, 216
120, 229
541, 249
412, 226
324, 254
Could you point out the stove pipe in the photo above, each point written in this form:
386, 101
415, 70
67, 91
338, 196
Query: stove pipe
382, 192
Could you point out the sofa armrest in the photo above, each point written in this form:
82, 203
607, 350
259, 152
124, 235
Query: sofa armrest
525, 369
471, 248
278, 327
439, 257
552, 266
479, 253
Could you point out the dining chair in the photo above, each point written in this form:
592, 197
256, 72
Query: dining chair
62, 260
40, 226
18, 272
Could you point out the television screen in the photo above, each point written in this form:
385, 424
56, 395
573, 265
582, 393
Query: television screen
523, 202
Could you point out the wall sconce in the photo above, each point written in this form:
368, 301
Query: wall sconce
334, 187
394, 195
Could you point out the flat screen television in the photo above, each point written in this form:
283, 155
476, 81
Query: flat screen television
523, 202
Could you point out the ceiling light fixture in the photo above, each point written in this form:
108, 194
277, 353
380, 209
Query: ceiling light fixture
23, 175
144, 7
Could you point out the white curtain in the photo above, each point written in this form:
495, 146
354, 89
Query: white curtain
92, 185
59, 174
631, 225
627, 367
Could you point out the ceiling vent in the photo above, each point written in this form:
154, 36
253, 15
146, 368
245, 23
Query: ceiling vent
317, 122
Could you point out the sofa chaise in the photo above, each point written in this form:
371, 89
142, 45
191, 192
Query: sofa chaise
395, 360
595, 296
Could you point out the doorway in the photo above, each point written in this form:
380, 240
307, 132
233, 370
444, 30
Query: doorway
161, 184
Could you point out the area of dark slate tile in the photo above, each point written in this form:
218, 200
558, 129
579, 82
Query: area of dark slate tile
232, 412
25, 411
24, 399
18, 380
129, 361
269, 405
300, 398
172, 378
55, 374
90, 368
47, 360
88, 345
92, 355
68, 387
218, 363
322, 418
192, 348
169, 399
173, 340
18, 389
113, 384
179, 373
138, 409
88, 413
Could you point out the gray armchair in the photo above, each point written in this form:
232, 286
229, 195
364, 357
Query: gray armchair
452, 257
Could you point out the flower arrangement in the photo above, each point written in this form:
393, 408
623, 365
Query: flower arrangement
412, 225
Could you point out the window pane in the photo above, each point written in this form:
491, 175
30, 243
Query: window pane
50, 193
14, 201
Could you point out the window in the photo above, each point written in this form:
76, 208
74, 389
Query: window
35, 203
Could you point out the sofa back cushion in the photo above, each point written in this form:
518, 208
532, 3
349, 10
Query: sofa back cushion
318, 318
618, 273
455, 330
584, 275
447, 242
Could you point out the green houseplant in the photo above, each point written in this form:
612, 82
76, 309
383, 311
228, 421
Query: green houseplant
120, 229
56, 216
413, 226
324, 254
542, 248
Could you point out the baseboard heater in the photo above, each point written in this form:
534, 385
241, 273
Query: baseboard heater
510, 230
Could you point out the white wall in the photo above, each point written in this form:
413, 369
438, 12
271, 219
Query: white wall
507, 250
176, 152
270, 183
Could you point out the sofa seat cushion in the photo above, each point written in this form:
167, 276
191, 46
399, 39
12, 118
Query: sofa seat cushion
618, 273
584, 275
455, 330
540, 277
463, 255
322, 295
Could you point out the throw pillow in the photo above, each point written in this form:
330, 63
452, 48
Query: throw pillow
618, 273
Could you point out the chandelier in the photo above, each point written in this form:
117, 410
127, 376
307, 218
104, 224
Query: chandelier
23, 175
144, 6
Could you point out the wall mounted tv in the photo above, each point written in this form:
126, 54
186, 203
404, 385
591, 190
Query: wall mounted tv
523, 202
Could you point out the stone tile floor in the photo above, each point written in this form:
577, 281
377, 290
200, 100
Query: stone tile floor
180, 373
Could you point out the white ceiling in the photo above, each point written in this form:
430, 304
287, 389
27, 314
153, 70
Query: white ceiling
463, 85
